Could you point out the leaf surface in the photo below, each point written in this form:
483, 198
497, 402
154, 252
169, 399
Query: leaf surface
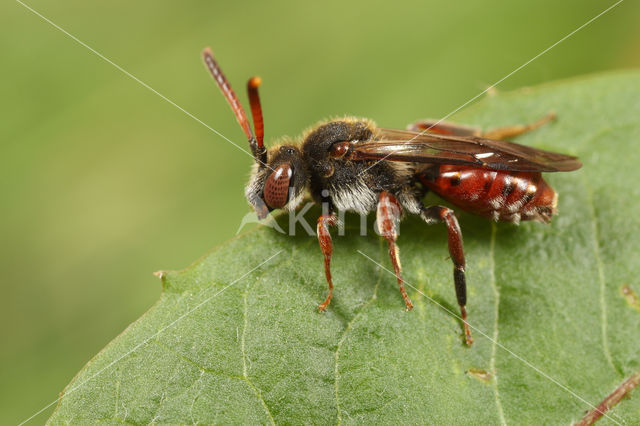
227, 343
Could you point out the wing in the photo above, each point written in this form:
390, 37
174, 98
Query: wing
414, 147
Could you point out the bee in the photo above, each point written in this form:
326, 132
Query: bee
352, 164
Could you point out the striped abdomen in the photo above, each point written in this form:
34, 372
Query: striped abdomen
500, 195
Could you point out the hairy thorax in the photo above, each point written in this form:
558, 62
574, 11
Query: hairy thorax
348, 185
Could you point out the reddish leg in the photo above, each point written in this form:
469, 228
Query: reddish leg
435, 214
443, 128
508, 132
500, 133
388, 216
324, 238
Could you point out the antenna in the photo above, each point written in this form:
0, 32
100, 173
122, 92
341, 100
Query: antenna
256, 109
256, 145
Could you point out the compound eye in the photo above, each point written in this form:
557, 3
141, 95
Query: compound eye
276, 189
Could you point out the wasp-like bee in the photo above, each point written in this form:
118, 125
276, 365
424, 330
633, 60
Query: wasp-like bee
353, 165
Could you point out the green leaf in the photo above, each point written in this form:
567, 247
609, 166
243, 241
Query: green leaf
227, 343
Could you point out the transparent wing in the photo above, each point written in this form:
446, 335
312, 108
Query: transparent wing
408, 146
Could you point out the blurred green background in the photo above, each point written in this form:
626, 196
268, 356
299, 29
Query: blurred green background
103, 182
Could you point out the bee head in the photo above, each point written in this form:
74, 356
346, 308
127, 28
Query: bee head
279, 177
280, 183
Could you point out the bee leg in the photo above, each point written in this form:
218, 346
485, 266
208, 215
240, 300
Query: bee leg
443, 128
435, 214
324, 238
387, 218
502, 133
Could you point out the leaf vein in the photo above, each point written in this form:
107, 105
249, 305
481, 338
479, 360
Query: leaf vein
256, 391
494, 346
348, 328
600, 267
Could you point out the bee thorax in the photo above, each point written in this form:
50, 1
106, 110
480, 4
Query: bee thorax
357, 197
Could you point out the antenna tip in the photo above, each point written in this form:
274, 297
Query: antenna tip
207, 51
254, 82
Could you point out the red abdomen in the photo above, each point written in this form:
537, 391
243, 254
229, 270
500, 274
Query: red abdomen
500, 195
